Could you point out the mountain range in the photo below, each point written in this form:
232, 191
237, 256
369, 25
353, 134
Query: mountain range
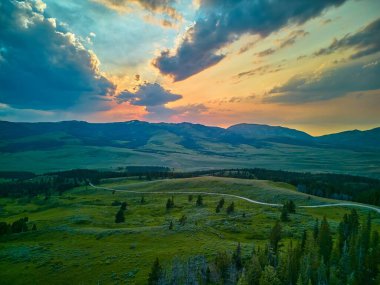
138, 142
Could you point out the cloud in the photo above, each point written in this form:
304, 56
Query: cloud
44, 67
265, 69
283, 43
148, 94
178, 114
157, 6
221, 22
366, 42
331, 84
154, 98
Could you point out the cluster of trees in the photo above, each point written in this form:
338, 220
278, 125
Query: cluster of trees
119, 217
19, 226
354, 258
31, 188
336, 186
230, 209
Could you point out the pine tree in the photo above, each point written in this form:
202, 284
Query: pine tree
254, 270
182, 220
236, 257
231, 208
275, 236
303, 241
169, 204
171, 225
325, 240
269, 276
291, 207
119, 218
316, 229
199, 201
284, 214
155, 274
123, 206
221, 203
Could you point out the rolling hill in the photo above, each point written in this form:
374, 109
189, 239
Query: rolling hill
64, 145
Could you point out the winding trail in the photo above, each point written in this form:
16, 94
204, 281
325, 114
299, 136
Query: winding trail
241, 198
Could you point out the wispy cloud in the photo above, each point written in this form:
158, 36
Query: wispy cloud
365, 42
330, 84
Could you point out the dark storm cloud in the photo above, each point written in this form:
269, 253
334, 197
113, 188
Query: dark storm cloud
329, 85
148, 94
222, 22
365, 41
42, 66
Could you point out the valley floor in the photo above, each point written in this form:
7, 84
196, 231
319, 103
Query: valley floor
78, 242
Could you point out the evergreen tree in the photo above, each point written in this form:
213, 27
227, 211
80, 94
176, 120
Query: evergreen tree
316, 229
275, 236
269, 276
322, 274
142, 201
291, 207
221, 203
284, 214
123, 206
199, 201
119, 218
171, 225
237, 259
182, 220
303, 241
254, 270
169, 204
155, 273
34, 227
325, 240
230, 208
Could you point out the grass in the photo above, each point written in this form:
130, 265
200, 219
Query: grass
166, 152
77, 241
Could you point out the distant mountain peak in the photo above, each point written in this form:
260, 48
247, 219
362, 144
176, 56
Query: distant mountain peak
266, 131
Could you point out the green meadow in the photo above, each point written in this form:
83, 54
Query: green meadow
78, 242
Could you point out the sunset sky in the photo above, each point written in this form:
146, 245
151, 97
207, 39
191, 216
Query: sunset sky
310, 65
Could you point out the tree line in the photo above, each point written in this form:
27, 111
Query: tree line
335, 186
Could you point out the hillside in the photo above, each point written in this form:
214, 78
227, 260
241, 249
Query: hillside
184, 146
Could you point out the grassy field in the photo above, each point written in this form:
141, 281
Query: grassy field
78, 242
276, 156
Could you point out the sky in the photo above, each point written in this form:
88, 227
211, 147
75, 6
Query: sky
310, 65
